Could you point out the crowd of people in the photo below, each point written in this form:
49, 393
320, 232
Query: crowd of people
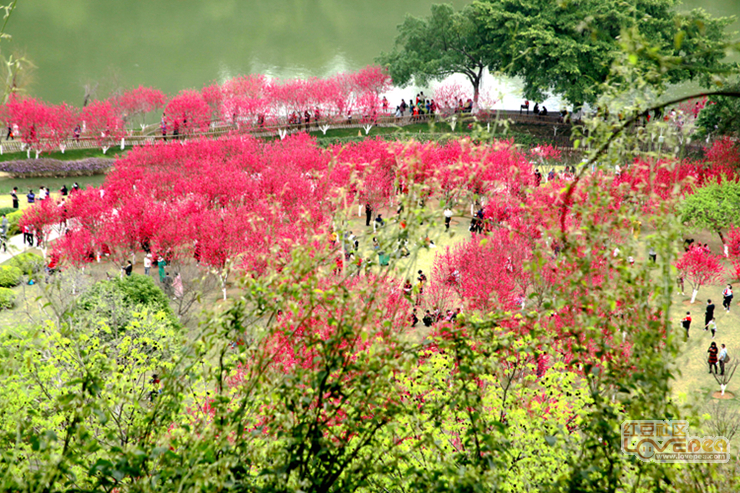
716, 355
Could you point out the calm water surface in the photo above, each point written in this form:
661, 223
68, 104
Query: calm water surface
175, 44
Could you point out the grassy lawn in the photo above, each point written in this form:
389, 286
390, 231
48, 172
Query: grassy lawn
70, 155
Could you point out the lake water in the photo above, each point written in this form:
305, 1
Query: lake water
175, 44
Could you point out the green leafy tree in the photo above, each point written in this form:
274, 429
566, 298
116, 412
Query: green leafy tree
568, 48
720, 116
80, 402
445, 43
715, 207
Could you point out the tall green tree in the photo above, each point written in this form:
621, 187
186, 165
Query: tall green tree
568, 47
714, 207
720, 116
563, 47
445, 43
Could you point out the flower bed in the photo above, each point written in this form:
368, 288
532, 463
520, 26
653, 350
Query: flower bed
23, 168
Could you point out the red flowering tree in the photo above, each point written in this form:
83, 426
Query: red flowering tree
61, 120
699, 267
187, 113
104, 123
243, 99
448, 95
139, 102
28, 116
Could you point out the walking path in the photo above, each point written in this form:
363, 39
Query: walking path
150, 134
16, 246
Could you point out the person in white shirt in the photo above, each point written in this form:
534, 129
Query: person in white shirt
147, 263
448, 218
712, 325
722, 358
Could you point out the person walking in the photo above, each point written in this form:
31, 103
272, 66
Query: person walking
163, 128
4, 233
147, 263
161, 263
448, 218
722, 358
686, 323
14, 196
727, 297
368, 213
712, 326
177, 287
712, 357
708, 313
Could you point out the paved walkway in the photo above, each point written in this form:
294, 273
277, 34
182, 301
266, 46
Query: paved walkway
16, 246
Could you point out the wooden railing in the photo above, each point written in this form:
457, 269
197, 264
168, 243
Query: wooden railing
152, 133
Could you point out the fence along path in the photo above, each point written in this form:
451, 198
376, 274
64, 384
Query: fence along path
152, 133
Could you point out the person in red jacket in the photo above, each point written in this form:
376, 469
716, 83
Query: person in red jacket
713, 357
686, 323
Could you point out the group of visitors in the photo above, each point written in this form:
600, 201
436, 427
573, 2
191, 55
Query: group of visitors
716, 355
435, 316
44, 193
417, 107
568, 174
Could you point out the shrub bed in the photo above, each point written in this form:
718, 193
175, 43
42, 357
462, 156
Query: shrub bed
23, 168
29, 263
10, 276
7, 299
13, 219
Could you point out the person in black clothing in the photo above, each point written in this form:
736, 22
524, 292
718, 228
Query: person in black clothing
428, 319
727, 297
14, 196
128, 268
64, 190
686, 323
537, 177
414, 318
708, 314
368, 213
75, 187
380, 221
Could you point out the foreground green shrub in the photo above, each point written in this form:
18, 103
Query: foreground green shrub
29, 263
13, 220
10, 276
6, 210
7, 299
116, 300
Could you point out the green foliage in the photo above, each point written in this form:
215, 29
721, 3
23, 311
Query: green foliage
7, 298
28, 262
10, 276
77, 406
116, 301
720, 116
13, 220
141, 289
6, 210
445, 43
568, 48
715, 206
